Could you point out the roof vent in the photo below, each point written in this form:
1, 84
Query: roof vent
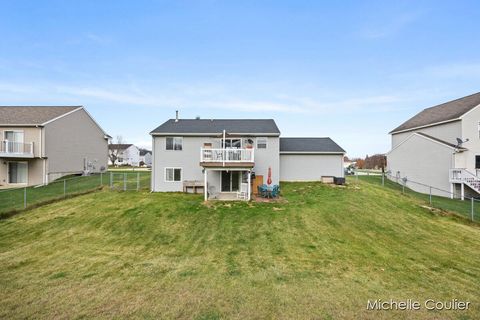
197, 117
176, 115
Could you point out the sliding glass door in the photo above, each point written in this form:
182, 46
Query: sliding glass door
230, 181
17, 172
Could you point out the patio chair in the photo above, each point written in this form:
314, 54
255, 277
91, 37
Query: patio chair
243, 193
212, 192
262, 190
275, 191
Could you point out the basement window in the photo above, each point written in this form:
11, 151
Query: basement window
173, 174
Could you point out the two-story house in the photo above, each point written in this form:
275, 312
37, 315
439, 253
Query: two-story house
223, 154
125, 154
40, 144
439, 147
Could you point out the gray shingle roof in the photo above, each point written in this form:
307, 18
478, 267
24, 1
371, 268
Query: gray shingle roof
31, 115
119, 146
144, 152
216, 126
443, 112
312, 145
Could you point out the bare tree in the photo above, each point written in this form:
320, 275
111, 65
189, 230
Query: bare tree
113, 152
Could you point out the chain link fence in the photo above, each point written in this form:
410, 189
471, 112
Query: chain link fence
13, 200
431, 197
125, 181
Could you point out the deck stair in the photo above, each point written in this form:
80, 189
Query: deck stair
466, 177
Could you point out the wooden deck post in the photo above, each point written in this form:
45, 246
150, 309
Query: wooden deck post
249, 184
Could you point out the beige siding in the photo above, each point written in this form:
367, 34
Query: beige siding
422, 160
35, 171
447, 132
30, 134
71, 139
298, 167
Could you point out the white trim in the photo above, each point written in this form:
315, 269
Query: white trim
422, 136
165, 174
8, 174
63, 115
425, 126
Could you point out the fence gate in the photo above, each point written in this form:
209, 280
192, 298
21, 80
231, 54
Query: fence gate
125, 181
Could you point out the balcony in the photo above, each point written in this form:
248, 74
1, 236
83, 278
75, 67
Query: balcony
226, 157
12, 149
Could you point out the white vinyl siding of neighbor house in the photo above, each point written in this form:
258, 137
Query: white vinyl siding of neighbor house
445, 131
422, 160
310, 167
470, 131
189, 160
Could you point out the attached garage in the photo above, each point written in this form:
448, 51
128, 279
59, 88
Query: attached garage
310, 159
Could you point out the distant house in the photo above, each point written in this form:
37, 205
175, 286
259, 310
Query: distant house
222, 155
39, 144
145, 157
124, 154
440, 147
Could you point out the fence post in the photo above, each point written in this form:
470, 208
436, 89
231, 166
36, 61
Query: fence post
101, 179
111, 180
138, 181
471, 211
24, 197
430, 196
64, 188
125, 181
383, 179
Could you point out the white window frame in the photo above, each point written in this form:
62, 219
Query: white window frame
173, 168
262, 138
8, 173
173, 143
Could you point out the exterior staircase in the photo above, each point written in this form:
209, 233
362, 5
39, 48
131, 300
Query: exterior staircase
466, 177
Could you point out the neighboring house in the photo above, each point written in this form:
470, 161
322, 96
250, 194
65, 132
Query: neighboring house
439, 147
226, 154
40, 144
126, 154
145, 157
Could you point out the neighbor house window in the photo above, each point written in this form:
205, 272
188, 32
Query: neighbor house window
173, 174
174, 143
261, 143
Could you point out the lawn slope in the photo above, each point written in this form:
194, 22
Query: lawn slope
319, 255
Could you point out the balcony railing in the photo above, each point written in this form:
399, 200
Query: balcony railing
226, 155
16, 149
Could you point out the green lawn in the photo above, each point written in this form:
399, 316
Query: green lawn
321, 254
14, 199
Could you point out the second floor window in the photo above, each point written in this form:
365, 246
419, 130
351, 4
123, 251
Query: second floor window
174, 143
261, 143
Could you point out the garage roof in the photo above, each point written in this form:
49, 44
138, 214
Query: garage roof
309, 145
